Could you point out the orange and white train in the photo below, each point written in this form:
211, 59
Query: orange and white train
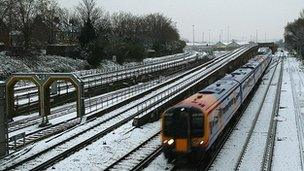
194, 124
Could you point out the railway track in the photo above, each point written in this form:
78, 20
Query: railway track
94, 130
44, 133
257, 146
101, 83
139, 157
90, 103
98, 104
101, 77
70, 123
268, 154
297, 106
206, 163
229, 153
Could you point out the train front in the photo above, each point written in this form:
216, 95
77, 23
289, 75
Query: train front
183, 132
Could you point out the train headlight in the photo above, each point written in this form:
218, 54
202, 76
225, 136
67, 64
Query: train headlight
165, 141
202, 142
171, 141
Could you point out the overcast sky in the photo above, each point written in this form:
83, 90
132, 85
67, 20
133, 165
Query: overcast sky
243, 17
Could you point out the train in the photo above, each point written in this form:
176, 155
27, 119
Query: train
192, 126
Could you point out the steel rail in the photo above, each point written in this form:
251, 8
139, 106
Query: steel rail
97, 136
256, 116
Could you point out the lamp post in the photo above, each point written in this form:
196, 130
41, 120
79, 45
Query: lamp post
228, 34
221, 35
193, 34
256, 35
209, 31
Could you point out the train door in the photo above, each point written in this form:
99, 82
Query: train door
183, 139
214, 122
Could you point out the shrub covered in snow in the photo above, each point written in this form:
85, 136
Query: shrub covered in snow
9, 65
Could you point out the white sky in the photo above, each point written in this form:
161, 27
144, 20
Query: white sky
244, 17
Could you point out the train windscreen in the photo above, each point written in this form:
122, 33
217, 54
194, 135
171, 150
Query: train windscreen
180, 122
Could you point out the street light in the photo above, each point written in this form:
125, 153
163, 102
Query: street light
228, 34
257, 35
209, 31
193, 34
222, 35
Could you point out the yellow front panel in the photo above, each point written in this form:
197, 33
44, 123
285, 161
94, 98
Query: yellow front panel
181, 145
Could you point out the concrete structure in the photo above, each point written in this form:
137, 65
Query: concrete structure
233, 45
219, 45
44, 81
3, 123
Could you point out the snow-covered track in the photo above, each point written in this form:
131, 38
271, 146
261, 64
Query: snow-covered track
297, 107
99, 77
106, 107
139, 157
268, 154
43, 133
90, 104
105, 82
99, 127
256, 139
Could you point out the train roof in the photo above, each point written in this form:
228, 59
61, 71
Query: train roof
211, 95
252, 64
220, 87
214, 93
240, 74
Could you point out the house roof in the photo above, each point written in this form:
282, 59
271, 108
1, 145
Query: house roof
219, 44
233, 44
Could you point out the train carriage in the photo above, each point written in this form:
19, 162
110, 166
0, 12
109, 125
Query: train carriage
193, 125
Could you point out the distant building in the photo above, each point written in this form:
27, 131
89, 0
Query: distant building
251, 42
219, 46
232, 45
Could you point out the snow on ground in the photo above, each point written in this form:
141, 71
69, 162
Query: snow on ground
160, 163
254, 154
70, 111
108, 149
39, 146
9, 65
286, 150
229, 154
219, 53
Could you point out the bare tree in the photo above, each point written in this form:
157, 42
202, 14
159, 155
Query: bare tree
88, 10
302, 14
25, 12
50, 13
6, 13
294, 35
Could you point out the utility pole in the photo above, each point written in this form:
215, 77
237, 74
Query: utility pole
193, 34
228, 34
221, 35
265, 37
209, 36
203, 37
3, 122
256, 35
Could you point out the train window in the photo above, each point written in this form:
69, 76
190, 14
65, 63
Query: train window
197, 125
167, 129
178, 121
175, 124
207, 92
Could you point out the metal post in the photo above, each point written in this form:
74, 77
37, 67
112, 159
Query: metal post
54, 88
3, 122
81, 98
